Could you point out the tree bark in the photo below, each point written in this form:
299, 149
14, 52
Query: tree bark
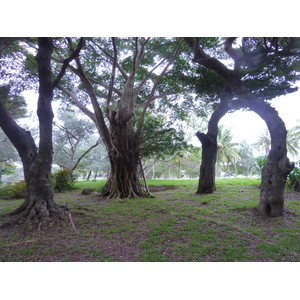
207, 176
278, 166
123, 180
206, 184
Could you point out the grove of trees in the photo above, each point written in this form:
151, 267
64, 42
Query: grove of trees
134, 92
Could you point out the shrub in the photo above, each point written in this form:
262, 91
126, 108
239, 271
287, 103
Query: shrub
294, 178
63, 180
16, 190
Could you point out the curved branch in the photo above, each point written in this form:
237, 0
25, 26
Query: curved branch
67, 61
84, 154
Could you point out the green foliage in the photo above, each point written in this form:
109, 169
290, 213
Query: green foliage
260, 162
64, 180
159, 141
6, 168
16, 190
294, 178
227, 152
14, 103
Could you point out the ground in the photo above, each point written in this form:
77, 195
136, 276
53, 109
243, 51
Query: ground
176, 225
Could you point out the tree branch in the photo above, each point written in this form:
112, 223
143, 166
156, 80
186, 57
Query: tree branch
67, 61
112, 79
157, 81
84, 154
74, 98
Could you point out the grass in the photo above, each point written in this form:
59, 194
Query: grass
176, 225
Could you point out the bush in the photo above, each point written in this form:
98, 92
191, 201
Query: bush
294, 178
63, 180
16, 190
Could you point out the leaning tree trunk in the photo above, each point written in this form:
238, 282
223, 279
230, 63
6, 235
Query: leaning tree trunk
207, 176
278, 166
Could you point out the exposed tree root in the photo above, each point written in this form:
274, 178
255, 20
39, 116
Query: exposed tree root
31, 215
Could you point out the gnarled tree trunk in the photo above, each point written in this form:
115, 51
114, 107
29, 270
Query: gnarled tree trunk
278, 166
123, 152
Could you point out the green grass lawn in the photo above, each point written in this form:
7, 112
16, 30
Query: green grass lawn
176, 225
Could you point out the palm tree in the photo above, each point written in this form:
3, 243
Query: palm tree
264, 142
293, 138
226, 151
292, 141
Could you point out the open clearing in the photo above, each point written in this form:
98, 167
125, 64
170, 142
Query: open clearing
176, 225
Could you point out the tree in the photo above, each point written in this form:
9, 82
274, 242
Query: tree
71, 137
293, 138
247, 163
37, 161
121, 76
226, 148
251, 61
264, 142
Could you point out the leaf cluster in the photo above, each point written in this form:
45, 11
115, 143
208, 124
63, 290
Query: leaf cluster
160, 141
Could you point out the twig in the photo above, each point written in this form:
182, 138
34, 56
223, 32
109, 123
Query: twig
72, 222
19, 243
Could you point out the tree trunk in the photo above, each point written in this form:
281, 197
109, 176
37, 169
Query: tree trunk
278, 166
37, 163
123, 180
206, 183
89, 175
207, 176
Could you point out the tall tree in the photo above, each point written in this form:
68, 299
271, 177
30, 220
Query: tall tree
254, 59
37, 161
121, 76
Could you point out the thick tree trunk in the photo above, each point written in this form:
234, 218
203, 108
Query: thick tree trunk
278, 166
123, 180
207, 176
206, 183
38, 202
